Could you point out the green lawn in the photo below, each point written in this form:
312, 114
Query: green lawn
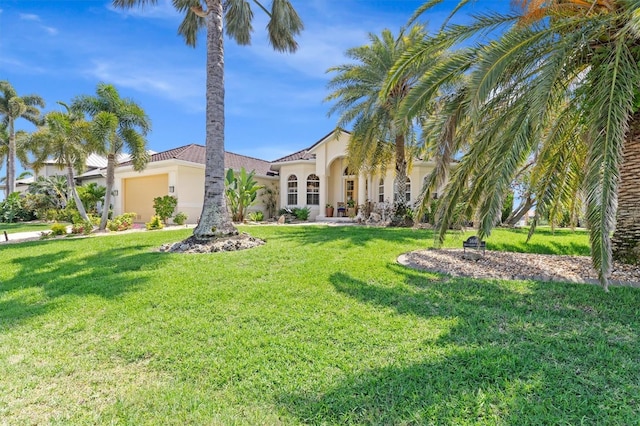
319, 326
13, 228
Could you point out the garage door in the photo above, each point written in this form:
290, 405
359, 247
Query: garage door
139, 193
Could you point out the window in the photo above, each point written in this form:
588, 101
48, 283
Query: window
381, 191
350, 188
313, 190
408, 189
292, 190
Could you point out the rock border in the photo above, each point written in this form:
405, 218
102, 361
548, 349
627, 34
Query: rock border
516, 266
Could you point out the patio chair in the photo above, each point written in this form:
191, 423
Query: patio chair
342, 209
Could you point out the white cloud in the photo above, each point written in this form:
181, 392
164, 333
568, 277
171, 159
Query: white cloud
29, 17
162, 10
183, 85
50, 30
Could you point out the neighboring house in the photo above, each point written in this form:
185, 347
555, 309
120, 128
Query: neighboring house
312, 177
178, 172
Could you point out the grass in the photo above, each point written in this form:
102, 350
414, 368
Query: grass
319, 326
13, 228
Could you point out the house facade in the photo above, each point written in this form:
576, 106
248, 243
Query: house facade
312, 177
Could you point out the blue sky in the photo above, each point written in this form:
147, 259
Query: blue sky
274, 101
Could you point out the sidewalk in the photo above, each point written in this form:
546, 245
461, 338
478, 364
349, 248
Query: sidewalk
35, 235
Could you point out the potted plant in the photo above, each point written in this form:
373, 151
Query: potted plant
351, 208
328, 210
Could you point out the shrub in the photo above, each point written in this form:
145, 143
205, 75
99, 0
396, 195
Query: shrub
256, 216
122, 222
180, 218
301, 213
58, 229
164, 207
12, 209
154, 223
82, 228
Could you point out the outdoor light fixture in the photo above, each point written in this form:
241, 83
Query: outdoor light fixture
172, 189
115, 192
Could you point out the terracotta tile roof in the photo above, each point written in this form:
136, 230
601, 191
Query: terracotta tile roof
195, 153
304, 154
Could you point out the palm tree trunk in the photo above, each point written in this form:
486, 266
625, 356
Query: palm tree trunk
401, 171
11, 160
214, 219
72, 187
625, 243
111, 165
520, 211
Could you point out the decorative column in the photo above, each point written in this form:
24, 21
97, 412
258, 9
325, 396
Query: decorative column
323, 196
362, 194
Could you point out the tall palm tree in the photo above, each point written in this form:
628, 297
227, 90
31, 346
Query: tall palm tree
377, 136
117, 124
63, 138
13, 107
236, 17
562, 74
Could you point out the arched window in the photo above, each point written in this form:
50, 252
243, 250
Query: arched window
408, 189
292, 190
313, 190
381, 191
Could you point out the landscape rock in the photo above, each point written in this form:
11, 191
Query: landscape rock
517, 266
231, 243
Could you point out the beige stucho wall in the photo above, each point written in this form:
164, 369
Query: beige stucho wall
187, 180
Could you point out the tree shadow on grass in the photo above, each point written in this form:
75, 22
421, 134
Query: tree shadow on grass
520, 353
107, 274
349, 236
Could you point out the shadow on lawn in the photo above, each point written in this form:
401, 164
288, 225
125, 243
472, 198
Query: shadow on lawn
107, 273
348, 236
527, 354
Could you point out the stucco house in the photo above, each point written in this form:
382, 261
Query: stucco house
312, 177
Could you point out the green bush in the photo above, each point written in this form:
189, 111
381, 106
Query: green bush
256, 216
164, 206
12, 209
82, 228
154, 223
301, 213
180, 218
122, 222
59, 229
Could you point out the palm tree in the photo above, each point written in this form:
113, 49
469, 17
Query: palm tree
560, 76
55, 189
13, 107
377, 135
63, 138
236, 16
117, 123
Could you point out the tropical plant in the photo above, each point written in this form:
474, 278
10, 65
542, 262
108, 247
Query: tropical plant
91, 194
560, 77
13, 107
12, 209
165, 206
236, 17
117, 123
154, 223
122, 222
54, 189
378, 136
58, 229
180, 218
63, 138
270, 199
257, 216
241, 191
